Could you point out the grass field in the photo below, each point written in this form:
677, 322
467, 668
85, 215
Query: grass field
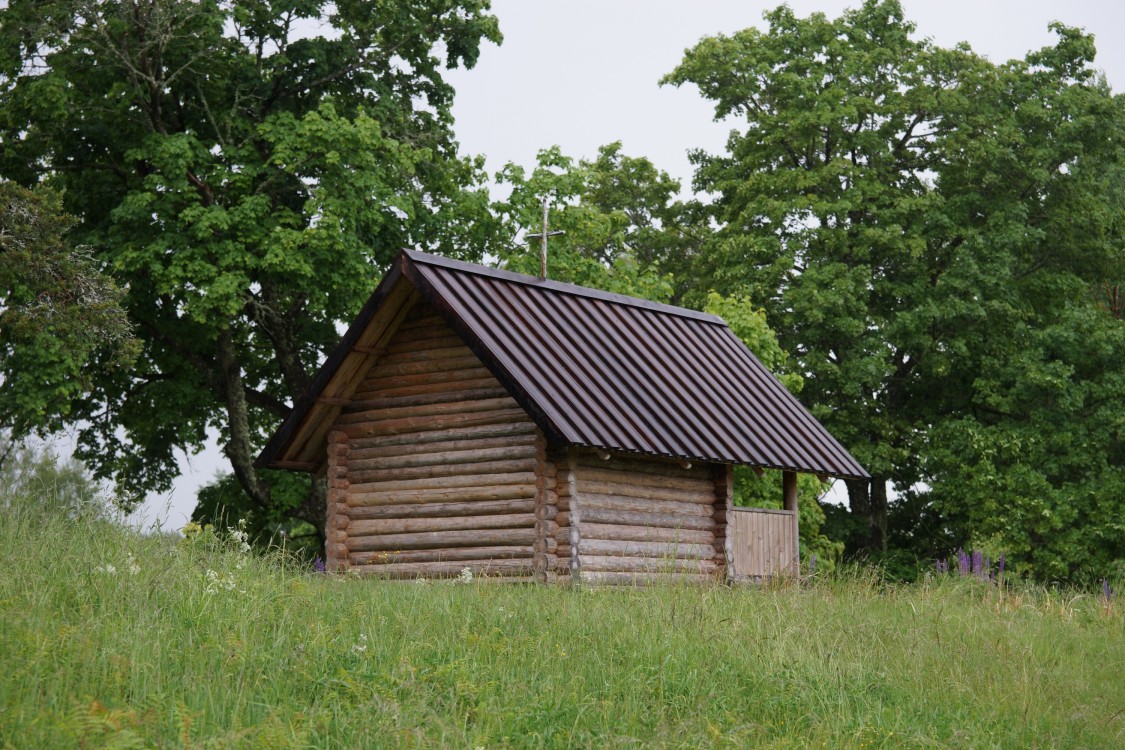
111, 639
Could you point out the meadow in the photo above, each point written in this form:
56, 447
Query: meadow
112, 639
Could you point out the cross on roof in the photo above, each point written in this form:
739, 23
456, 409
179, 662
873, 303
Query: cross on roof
544, 235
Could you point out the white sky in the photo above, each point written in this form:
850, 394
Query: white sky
582, 73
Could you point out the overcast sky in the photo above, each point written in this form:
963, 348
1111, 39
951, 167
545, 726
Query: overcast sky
582, 73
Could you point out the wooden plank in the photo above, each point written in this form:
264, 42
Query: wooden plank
441, 539
432, 495
424, 340
425, 399
649, 465
383, 526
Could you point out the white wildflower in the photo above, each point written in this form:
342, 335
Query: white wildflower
466, 576
361, 646
131, 564
216, 582
421, 580
107, 569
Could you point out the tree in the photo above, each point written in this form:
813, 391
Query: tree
246, 169
620, 214
904, 212
57, 312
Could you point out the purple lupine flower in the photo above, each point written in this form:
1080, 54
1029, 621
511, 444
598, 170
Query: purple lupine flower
978, 561
1000, 572
962, 562
318, 564
940, 564
1107, 592
987, 568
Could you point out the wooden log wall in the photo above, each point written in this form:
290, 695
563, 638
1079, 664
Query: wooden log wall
436, 467
635, 519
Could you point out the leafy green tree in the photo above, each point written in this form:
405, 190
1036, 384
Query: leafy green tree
620, 215
32, 475
246, 169
905, 212
57, 312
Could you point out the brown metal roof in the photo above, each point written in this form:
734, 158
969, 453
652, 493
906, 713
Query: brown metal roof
619, 373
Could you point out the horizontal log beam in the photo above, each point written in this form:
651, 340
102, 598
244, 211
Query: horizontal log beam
428, 410
441, 471
426, 339
384, 526
649, 465
645, 505
625, 489
608, 563
427, 367
645, 533
443, 539
671, 550
633, 518
395, 385
424, 399
441, 510
591, 473
645, 579
452, 554
433, 496
432, 424
457, 351
440, 483
360, 447
447, 569
444, 458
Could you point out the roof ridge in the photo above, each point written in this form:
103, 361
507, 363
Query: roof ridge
561, 287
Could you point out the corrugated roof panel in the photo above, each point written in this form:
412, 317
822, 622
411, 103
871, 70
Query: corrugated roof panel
632, 375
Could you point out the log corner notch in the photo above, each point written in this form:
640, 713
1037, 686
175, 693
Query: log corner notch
336, 523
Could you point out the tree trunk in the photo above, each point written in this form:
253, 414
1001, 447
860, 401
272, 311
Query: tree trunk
238, 448
868, 503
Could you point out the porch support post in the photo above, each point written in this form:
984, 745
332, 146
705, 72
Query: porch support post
789, 492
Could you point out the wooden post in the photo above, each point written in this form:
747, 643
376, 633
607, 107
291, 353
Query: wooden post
723, 475
789, 491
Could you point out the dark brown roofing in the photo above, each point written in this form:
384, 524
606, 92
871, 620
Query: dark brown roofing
608, 371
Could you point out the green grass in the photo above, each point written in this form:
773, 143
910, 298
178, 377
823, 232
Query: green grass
290, 659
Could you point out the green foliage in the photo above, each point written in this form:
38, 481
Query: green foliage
195, 643
619, 213
33, 476
917, 220
246, 170
57, 312
223, 502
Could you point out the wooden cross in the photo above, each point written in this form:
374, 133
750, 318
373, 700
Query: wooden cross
544, 235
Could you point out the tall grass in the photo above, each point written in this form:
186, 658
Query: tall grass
203, 646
